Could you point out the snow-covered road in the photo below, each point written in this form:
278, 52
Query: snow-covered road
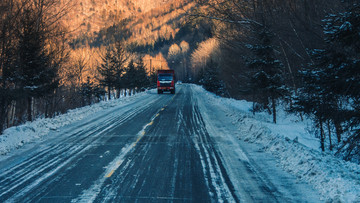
151, 148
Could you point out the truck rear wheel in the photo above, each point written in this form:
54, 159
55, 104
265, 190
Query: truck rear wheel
160, 92
172, 91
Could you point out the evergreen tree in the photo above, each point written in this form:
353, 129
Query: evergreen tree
315, 96
130, 77
211, 79
142, 79
108, 72
342, 34
332, 82
91, 93
153, 79
87, 91
36, 75
119, 59
7, 67
267, 80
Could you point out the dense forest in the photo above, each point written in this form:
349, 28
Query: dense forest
298, 55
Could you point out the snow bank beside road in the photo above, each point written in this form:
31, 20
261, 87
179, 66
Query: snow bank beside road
296, 149
15, 137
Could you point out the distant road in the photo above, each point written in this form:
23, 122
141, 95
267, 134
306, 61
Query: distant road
160, 148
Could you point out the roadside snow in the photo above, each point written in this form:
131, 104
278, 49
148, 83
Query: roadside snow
16, 137
294, 146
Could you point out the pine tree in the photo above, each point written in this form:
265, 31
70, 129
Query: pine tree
331, 83
87, 91
7, 67
267, 80
119, 59
130, 77
108, 72
153, 79
36, 75
142, 79
211, 79
31, 52
342, 36
315, 96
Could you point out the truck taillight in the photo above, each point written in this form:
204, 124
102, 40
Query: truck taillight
158, 83
172, 83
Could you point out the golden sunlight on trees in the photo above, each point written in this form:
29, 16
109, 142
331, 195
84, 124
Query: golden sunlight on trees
174, 51
81, 66
178, 57
185, 47
159, 24
207, 50
152, 64
80, 60
91, 15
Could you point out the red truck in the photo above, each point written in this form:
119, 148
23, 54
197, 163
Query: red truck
166, 81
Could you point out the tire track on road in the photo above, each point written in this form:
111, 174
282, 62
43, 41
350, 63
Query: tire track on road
16, 181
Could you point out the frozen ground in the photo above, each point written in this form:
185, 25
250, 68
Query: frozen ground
289, 141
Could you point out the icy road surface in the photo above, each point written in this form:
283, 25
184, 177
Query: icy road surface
157, 148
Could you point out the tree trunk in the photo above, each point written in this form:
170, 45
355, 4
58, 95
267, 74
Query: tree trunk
338, 130
322, 136
11, 114
2, 113
47, 104
328, 126
109, 93
253, 104
273, 101
29, 108
118, 93
253, 109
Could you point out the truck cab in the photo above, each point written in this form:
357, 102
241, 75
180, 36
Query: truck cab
166, 81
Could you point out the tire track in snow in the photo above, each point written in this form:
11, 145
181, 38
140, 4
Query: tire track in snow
92, 193
53, 158
215, 173
47, 169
